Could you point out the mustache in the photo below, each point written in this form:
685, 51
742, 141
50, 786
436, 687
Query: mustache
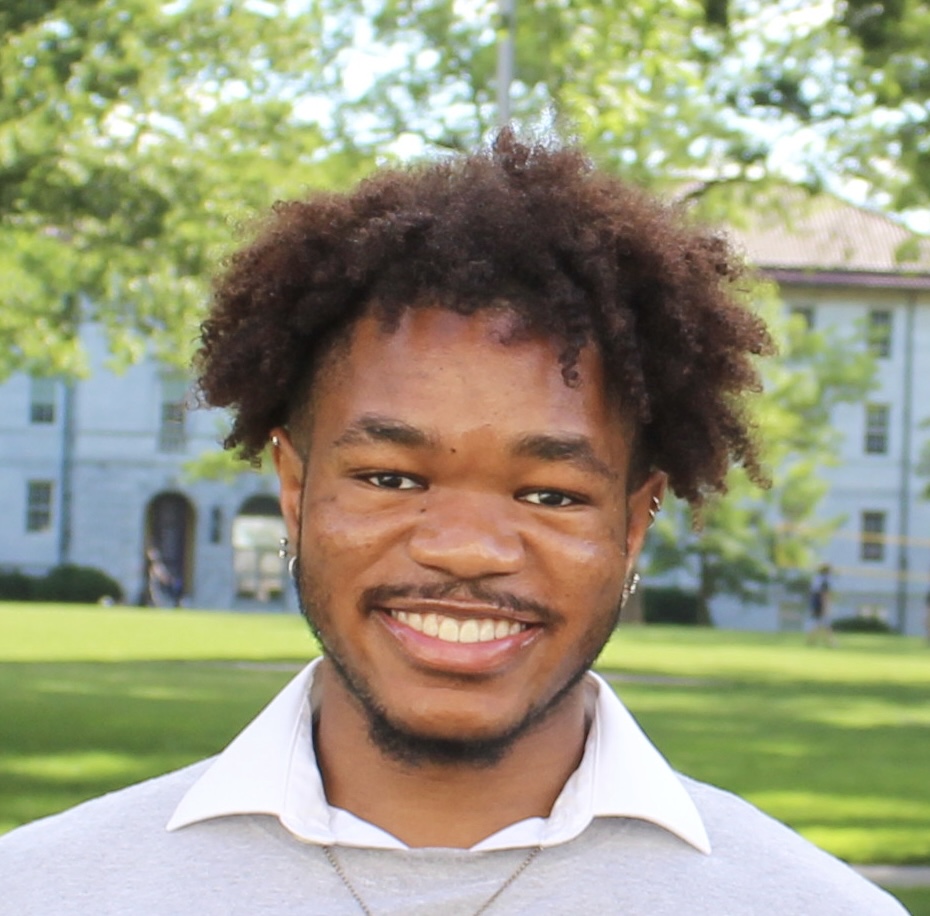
458, 589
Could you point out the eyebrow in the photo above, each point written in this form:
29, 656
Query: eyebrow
555, 447
567, 447
378, 428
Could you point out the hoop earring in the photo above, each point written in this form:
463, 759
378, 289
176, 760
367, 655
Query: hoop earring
293, 570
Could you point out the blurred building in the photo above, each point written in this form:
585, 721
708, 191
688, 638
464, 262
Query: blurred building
840, 265
93, 472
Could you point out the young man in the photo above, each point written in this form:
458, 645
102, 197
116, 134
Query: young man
478, 379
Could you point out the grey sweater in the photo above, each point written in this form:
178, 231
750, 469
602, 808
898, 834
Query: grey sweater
113, 856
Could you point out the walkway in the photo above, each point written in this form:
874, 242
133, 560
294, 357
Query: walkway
896, 875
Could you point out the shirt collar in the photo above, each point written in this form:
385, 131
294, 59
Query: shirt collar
270, 768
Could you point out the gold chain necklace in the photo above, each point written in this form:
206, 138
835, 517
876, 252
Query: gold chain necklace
330, 854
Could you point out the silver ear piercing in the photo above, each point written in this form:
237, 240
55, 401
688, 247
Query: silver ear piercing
276, 442
292, 569
629, 588
655, 508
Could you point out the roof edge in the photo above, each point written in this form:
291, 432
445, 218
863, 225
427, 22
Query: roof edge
856, 278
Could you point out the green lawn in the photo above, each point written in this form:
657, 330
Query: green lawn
833, 741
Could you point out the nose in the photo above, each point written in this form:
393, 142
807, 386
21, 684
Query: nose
467, 536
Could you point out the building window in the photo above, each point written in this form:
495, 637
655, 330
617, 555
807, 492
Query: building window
216, 525
880, 332
41, 400
38, 505
872, 537
172, 431
806, 314
876, 429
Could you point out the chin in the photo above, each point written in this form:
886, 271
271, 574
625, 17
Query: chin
443, 747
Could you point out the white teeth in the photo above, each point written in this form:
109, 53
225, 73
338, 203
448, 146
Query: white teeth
451, 629
468, 631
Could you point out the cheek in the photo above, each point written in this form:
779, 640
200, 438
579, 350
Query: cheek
342, 536
584, 571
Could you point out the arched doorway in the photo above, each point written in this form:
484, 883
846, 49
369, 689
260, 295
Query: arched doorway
261, 575
168, 550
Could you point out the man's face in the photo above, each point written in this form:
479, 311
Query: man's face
464, 524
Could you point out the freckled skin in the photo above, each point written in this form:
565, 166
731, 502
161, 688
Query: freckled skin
468, 509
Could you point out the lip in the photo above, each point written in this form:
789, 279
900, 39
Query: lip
478, 659
459, 608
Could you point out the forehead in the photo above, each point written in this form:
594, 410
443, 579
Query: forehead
452, 373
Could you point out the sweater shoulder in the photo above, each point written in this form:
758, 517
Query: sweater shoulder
138, 810
751, 847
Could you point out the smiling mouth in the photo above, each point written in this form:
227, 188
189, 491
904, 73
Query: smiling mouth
453, 629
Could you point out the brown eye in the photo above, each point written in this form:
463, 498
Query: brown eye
389, 481
551, 499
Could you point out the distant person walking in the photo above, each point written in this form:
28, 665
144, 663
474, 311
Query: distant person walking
155, 579
818, 628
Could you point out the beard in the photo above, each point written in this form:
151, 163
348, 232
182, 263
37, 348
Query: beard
412, 748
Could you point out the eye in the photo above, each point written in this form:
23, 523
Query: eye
551, 499
387, 480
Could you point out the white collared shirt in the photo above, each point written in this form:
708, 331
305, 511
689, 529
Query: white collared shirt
270, 768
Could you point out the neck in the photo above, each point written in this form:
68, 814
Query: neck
448, 805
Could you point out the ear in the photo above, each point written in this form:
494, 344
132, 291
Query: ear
290, 469
642, 506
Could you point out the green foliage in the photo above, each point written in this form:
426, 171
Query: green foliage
710, 91
67, 583
860, 625
670, 605
751, 539
77, 584
16, 586
133, 136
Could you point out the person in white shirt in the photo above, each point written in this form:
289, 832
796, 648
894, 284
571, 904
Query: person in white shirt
478, 378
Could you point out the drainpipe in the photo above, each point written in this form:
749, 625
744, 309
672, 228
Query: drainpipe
904, 488
66, 474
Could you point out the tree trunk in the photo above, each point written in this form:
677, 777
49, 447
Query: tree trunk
705, 593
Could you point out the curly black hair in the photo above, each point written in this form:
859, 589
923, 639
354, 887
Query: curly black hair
578, 256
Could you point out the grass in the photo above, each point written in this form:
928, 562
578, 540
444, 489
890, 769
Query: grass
832, 741
915, 899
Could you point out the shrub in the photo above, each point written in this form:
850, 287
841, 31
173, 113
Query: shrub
77, 584
670, 605
16, 586
861, 625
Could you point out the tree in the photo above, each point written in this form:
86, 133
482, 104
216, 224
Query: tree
751, 539
133, 135
717, 90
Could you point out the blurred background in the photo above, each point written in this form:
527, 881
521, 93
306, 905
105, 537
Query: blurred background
139, 138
